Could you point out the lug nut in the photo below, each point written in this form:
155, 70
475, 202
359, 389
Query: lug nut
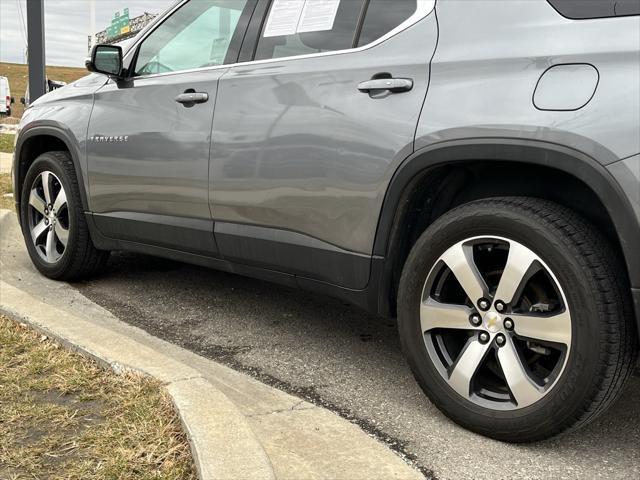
500, 340
484, 337
475, 319
46, 221
500, 306
484, 304
508, 324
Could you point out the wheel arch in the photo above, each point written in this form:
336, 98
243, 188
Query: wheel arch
36, 141
449, 160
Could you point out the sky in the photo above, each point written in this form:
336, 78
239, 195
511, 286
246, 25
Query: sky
67, 25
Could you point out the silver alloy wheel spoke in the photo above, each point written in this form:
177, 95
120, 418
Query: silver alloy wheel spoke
500, 338
37, 202
459, 259
38, 230
554, 328
522, 387
48, 217
60, 201
466, 366
46, 186
62, 234
443, 315
50, 247
519, 262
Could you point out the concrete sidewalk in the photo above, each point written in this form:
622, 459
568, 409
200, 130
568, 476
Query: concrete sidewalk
238, 428
5, 162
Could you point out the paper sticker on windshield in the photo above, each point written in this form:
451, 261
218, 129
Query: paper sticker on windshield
318, 15
284, 17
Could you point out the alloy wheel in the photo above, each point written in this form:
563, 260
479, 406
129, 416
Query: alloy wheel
496, 323
48, 217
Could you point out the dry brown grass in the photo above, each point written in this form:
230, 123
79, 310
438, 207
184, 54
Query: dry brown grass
63, 416
18, 76
6, 188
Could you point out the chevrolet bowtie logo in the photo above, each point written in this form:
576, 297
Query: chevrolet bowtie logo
492, 321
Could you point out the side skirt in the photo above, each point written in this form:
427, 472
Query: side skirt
367, 298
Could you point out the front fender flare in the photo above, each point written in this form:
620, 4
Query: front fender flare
31, 132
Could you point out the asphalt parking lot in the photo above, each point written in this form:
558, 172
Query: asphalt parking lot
336, 356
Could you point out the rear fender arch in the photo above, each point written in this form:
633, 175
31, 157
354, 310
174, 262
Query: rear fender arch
517, 151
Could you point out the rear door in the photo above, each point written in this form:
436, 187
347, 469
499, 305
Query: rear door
149, 138
308, 132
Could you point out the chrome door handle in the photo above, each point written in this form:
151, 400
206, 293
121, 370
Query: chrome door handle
394, 85
191, 98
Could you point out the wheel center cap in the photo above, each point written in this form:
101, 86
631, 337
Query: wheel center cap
493, 322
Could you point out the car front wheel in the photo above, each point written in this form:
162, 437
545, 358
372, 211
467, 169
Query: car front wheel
53, 222
515, 319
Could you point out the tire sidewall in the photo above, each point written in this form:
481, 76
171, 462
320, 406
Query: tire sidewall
47, 162
572, 387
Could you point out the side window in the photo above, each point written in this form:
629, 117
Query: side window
586, 9
383, 16
197, 35
301, 27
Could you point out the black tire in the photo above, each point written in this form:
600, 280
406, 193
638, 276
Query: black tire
603, 335
80, 258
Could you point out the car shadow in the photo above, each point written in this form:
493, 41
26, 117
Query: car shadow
326, 351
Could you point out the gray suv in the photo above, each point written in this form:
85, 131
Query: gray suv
472, 168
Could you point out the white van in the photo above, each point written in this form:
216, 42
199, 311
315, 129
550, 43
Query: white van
6, 100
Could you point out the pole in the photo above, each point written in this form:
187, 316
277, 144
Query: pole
92, 23
35, 39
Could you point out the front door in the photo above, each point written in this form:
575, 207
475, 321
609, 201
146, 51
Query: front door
307, 135
149, 138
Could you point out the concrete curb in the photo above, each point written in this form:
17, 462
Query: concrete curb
211, 420
238, 427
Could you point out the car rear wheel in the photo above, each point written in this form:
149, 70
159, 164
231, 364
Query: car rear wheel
53, 223
515, 319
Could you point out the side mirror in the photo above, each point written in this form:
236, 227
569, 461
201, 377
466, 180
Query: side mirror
106, 59
13, 100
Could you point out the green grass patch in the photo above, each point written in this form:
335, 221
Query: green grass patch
6, 142
63, 416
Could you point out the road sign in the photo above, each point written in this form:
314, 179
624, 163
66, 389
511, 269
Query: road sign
119, 24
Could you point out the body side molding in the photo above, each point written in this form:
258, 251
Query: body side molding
292, 252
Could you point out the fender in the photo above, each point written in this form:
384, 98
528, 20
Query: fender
65, 137
574, 162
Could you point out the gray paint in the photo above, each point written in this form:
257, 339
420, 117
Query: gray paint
566, 87
163, 167
297, 146
490, 56
63, 113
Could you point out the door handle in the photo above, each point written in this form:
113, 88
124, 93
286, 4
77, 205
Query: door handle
188, 99
393, 85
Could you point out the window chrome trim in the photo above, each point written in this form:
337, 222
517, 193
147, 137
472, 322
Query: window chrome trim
424, 9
